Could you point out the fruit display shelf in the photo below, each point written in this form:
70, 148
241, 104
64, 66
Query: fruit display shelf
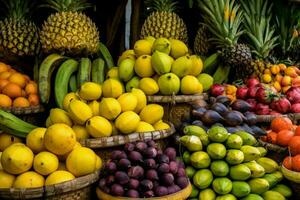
79, 188
181, 195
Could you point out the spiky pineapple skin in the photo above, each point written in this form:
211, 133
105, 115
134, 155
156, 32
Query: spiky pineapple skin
18, 38
237, 55
69, 32
164, 24
201, 43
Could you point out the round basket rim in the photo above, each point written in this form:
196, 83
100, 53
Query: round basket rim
273, 146
28, 110
184, 193
51, 190
286, 171
118, 140
175, 98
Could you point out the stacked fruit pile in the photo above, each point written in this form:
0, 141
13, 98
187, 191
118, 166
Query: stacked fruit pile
264, 99
16, 89
230, 166
143, 170
162, 65
50, 156
105, 110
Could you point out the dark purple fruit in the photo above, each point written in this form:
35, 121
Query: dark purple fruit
129, 147
173, 189
150, 163
152, 143
171, 153
110, 180
233, 118
152, 175
155, 184
149, 194
124, 163
182, 182
106, 189
161, 191
173, 167
102, 183
150, 152
198, 112
135, 156
163, 159
180, 163
117, 155
133, 183
167, 179
163, 168
140, 146
224, 100
241, 105
111, 167
159, 152
136, 172
251, 118
132, 194
117, 190
211, 117
219, 107
121, 177
146, 185
181, 172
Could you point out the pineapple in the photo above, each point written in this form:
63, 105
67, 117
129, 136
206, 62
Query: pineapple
68, 30
223, 19
258, 14
18, 35
201, 43
163, 21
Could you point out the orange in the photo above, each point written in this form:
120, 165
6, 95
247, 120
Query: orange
272, 137
12, 90
275, 69
283, 137
277, 86
281, 123
3, 83
267, 78
294, 145
297, 131
5, 101
21, 102
31, 88
27, 78
18, 78
287, 162
34, 99
282, 67
290, 71
3, 67
286, 81
296, 163
5, 75
267, 71
278, 78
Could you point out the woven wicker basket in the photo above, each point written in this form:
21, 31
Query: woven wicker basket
275, 152
77, 189
295, 117
181, 195
177, 108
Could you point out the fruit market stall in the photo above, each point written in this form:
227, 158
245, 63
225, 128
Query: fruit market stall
154, 99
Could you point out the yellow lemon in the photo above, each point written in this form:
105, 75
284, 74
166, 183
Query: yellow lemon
81, 161
94, 106
79, 111
113, 73
17, 158
58, 115
59, 177
141, 99
178, 48
143, 67
67, 99
35, 140
98, 127
144, 127
109, 108
149, 86
90, 91
98, 163
190, 85
152, 113
142, 47
45, 163
267, 78
6, 179
127, 122
160, 125
29, 179
48, 122
114, 129
7, 139
197, 65
129, 53
128, 102
64, 157
80, 132
112, 88
59, 139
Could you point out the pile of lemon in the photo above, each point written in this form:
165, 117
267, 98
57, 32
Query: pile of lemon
104, 110
49, 156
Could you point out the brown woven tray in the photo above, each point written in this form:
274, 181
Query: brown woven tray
79, 188
118, 140
176, 98
268, 118
22, 111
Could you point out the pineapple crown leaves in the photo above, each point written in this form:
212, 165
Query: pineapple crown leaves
161, 5
223, 19
257, 14
18, 9
67, 5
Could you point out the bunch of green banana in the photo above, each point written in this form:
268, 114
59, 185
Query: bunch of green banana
71, 73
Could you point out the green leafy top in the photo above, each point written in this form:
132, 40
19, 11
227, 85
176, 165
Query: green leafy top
17, 9
223, 19
67, 5
161, 5
258, 14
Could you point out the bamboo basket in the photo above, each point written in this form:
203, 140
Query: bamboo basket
275, 152
181, 195
294, 180
177, 108
77, 189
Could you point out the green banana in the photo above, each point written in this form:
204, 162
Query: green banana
98, 72
84, 71
211, 63
13, 125
221, 74
106, 55
63, 75
47, 67
73, 83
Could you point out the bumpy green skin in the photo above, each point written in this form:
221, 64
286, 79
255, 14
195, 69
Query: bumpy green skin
98, 71
84, 71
